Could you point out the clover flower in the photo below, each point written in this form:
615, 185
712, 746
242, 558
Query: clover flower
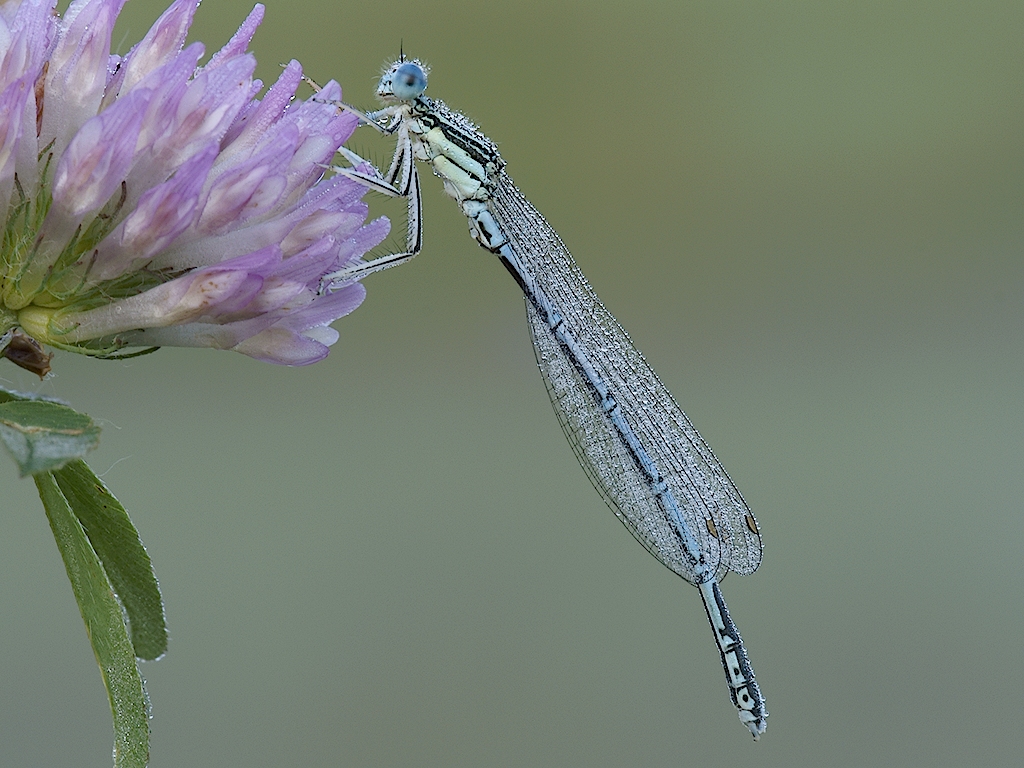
154, 202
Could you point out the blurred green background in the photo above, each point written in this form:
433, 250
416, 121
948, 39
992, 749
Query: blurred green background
809, 216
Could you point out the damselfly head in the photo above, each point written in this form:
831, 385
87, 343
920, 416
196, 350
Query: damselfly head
403, 81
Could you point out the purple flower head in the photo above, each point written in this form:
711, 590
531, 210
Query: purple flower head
151, 201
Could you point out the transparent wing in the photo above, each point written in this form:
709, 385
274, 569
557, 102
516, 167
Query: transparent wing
610, 466
711, 505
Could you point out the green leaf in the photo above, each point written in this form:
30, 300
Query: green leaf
104, 623
8, 395
120, 550
43, 435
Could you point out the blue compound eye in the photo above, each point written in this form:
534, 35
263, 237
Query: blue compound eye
408, 81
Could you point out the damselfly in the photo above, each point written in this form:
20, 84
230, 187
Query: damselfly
634, 442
